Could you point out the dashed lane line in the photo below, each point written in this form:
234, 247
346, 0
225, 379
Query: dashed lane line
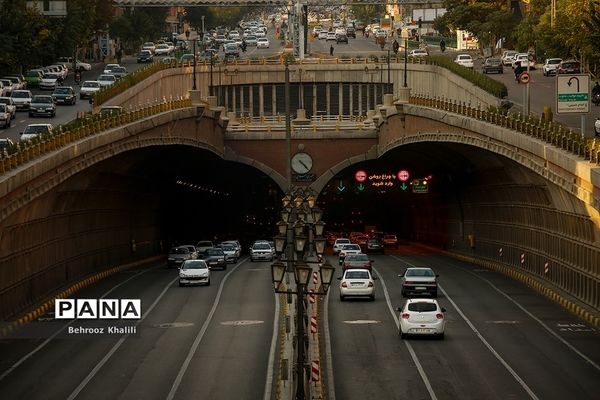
413, 355
483, 340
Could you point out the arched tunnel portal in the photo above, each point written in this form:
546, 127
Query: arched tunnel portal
139, 202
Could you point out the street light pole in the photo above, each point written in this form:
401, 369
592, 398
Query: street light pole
405, 60
210, 89
194, 84
388, 65
300, 216
288, 127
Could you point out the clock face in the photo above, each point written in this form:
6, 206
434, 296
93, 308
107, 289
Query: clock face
302, 163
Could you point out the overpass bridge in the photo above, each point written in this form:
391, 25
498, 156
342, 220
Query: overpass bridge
518, 195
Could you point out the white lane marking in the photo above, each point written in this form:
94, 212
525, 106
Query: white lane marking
362, 322
200, 335
271, 362
113, 350
61, 329
482, 339
413, 355
242, 323
546, 327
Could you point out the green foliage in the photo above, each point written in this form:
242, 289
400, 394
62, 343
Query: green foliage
368, 12
484, 82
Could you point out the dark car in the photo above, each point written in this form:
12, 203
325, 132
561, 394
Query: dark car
215, 258
419, 280
351, 32
493, 65
569, 67
64, 95
341, 38
374, 245
357, 261
145, 56
42, 104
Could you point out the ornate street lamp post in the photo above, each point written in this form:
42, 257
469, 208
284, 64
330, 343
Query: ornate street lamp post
194, 39
300, 239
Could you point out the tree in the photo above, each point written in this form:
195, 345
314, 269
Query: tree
368, 12
488, 20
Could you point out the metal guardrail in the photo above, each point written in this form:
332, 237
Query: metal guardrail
548, 131
26, 151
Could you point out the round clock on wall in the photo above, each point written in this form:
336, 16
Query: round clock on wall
302, 163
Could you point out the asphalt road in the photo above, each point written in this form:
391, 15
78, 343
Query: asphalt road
193, 342
502, 341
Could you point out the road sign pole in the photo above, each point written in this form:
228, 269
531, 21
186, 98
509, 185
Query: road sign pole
527, 93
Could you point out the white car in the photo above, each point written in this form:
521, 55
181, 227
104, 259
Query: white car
21, 98
231, 252
162, 50
10, 106
337, 245
35, 130
50, 81
550, 66
322, 35
262, 43
422, 317
78, 64
106, 80
348, 249
194, 272
418, 53
331, 36
261, 251
523, 58
465, 60
5, 116
149, 46
108, 68
507, 57
357, 282
88, 89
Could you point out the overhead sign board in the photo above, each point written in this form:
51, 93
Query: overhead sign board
572, 93
420, 186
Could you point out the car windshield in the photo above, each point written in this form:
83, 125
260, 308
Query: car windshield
214, 252
4, 100
106, 78
42, 99
50, 76
351, 247
357, 257
194, 264
91, 84
228, 247
32, 74
35, 129
493, 61
357, 274
21, 95
343, 241
422, 306
179, 250
205, 244
554, 61
420, 272
2, 108
62, 90
261, 246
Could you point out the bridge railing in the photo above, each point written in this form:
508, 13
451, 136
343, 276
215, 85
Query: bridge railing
317, 123
24, 151
548, 131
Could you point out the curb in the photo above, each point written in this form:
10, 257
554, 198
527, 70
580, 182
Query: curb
48, 304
